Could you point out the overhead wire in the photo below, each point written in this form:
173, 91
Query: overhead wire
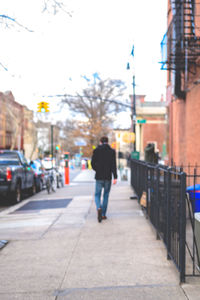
92, 97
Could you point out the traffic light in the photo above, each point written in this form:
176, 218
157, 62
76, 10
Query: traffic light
57, 147
43, 107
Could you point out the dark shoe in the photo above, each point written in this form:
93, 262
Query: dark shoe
99, 215
104, 217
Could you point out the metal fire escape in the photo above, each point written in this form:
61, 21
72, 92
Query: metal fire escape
180, 45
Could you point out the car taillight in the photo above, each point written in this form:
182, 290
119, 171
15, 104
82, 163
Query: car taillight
8, 174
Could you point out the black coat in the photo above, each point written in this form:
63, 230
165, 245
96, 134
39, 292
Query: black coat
104, 162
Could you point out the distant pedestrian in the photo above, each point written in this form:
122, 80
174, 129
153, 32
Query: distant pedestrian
104, 163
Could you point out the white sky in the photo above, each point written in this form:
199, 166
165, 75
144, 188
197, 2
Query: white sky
97, 38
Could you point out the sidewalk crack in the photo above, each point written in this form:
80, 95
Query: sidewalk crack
51, 225
73, 251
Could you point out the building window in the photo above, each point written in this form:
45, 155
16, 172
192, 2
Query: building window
8, 140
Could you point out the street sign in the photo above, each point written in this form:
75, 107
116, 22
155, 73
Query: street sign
142, 121
135, 154
80, 142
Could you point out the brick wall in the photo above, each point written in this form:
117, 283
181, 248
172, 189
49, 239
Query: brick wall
154, 130
184, 115
184, 119
177, 131
193, 125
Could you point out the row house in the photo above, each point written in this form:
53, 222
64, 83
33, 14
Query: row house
30, 134
11, 123
181, 59
17, 128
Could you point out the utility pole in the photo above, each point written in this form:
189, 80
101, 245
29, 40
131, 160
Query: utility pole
133, 105
134, 113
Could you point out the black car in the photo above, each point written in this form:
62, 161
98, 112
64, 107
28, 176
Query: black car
16, 175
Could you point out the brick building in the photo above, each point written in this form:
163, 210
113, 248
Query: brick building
17, 128
30, 134
181, 59
11, 122
151, 126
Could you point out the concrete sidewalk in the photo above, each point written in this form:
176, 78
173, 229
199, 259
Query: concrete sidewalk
67, 254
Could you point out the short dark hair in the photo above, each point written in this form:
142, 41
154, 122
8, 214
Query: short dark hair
104, 139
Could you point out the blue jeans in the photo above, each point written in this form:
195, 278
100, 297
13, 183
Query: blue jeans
106, 185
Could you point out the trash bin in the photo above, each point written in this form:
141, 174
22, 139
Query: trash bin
149, 154
194, 195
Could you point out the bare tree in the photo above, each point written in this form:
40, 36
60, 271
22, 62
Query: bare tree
50, 6
96, 104
9, 22
68, 129
54, 6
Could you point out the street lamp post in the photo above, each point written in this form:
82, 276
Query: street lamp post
134, 113
133, 105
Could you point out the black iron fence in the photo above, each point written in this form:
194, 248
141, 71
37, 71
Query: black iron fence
192, 242
162, 193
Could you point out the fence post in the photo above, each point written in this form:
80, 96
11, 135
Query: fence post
157, 203
148, 192
182, 228
168, 197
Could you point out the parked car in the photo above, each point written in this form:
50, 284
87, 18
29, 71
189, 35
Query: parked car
16, 175
39, 172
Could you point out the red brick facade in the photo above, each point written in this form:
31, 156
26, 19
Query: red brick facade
155, 132
11, 122
184, 117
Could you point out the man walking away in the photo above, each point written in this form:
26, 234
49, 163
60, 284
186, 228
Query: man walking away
104, 163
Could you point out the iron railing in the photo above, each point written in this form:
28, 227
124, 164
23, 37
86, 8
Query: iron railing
170, 209
165, 206
192, 207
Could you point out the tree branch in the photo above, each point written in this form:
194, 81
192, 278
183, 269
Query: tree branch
4, 17
55, 6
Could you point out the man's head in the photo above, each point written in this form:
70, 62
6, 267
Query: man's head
104, 140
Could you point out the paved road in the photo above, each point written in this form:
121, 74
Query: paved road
4, 202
